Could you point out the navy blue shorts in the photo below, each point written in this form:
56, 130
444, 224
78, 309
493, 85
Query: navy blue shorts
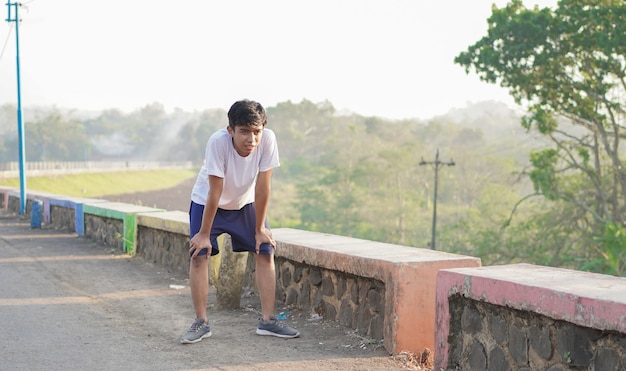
239, 224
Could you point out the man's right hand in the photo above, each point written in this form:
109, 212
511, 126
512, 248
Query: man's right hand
199, 242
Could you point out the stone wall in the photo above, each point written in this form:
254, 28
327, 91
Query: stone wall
14, 205
355, 302
106, 230
62, 218
164, 248
485, 336
529, 317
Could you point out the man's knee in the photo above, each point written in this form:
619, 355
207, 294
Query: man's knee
199, 262
264, 261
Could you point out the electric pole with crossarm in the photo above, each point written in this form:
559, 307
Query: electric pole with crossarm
13, 17
436, 165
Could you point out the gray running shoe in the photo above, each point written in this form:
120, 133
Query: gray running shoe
275, 328
198, 331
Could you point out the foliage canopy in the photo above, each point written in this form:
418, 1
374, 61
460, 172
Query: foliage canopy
568, 67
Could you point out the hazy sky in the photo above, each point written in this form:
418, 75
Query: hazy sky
388, 58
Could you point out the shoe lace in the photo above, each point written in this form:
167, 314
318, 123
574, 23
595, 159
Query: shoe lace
196, 326
275, 322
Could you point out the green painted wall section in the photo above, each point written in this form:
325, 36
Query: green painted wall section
124, 212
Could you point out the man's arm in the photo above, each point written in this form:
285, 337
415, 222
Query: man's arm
203, 238
261, 201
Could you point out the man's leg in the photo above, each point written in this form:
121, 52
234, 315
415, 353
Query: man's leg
266, 282
199, 283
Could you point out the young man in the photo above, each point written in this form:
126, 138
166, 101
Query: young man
231, 195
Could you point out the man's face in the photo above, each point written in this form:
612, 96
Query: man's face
245, 138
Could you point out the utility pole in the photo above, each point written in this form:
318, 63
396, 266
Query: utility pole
436, 164
20, 124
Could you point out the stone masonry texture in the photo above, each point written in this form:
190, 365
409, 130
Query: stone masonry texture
485, 336
106, 230
355, 302
167, 249
62, 218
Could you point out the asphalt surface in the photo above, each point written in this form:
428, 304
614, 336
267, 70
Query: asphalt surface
68, 303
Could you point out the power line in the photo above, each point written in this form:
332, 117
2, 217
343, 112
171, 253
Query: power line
436, 165
4, 47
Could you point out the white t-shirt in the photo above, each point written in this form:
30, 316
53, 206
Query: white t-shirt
239, 173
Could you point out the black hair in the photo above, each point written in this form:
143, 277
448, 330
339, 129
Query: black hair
246, 113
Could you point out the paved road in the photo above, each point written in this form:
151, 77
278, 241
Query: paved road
67, 303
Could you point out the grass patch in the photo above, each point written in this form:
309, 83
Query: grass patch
104, 184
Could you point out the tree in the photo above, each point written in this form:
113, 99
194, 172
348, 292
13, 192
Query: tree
568, 66
190, 142
300, 127
55, 137
145, 127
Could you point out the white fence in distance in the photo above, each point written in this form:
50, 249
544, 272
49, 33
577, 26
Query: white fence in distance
43, 168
